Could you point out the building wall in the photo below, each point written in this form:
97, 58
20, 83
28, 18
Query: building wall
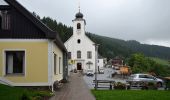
36, 54
59, 71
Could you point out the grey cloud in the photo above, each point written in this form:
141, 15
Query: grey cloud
140, 20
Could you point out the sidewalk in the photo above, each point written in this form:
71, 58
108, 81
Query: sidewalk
76, 89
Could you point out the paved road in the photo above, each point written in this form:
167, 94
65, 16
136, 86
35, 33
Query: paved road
76, 89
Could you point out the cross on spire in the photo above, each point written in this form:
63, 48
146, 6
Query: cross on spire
79, 5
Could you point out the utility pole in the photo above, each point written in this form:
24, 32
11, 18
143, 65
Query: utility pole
96, 58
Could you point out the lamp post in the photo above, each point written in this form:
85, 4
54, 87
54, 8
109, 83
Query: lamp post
96, 58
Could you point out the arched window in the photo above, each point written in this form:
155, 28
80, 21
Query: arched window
78, 41
78, 54
78, 26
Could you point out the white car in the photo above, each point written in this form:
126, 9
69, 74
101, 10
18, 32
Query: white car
140, 79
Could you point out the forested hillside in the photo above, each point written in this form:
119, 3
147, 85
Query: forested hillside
111, 47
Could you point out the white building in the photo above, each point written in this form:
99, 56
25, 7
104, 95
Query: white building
81, 50
100, 63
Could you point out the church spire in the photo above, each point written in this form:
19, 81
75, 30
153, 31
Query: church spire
79, 6
79, 14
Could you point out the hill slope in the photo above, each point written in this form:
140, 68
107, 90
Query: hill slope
119, 47
110, 47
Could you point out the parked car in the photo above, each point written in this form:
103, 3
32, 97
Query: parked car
142, 79
90, 72
101, 70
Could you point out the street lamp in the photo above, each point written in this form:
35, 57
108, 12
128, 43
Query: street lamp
96, 58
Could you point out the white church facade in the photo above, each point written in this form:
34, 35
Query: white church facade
81, 50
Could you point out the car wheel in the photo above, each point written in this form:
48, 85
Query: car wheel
159, 84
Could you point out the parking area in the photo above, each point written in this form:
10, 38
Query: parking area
106, 76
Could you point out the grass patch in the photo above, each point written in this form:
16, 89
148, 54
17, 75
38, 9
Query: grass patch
131, 95
17, 93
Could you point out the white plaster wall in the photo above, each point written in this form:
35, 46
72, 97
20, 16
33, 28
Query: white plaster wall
100, 63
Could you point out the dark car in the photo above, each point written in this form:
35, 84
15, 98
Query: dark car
90, 72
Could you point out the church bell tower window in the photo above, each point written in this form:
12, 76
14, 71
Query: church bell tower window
78, 26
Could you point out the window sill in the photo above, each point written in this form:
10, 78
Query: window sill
14, 75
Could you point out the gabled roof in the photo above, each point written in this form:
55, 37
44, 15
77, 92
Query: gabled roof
48, 32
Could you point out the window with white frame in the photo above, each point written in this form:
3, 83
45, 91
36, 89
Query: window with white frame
89, 54
78, 54
15, 62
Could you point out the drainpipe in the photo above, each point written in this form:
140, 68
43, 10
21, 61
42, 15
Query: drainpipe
52, 66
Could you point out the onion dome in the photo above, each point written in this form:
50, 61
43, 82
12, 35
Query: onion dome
79, 15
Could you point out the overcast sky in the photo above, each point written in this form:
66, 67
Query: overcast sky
147, 21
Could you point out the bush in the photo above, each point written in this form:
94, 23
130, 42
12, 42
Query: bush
150, 86
25, 97
119, 86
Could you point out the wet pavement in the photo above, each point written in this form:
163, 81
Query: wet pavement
75, 89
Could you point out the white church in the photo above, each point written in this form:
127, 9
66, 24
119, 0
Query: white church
81, 50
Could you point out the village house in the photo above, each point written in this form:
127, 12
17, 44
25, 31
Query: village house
117, 62
30, 53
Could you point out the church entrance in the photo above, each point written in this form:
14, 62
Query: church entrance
79, 66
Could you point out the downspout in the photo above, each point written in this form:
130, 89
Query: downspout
65, 66
52, 66
52, 60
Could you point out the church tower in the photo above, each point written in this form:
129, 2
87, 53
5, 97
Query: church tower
79, 24
81, 51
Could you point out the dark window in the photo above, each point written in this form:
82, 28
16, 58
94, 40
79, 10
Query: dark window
69, 55
78, 54
5, 20
78, 26
89, 54
60, 65
55, 64
78, 41
15, 62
